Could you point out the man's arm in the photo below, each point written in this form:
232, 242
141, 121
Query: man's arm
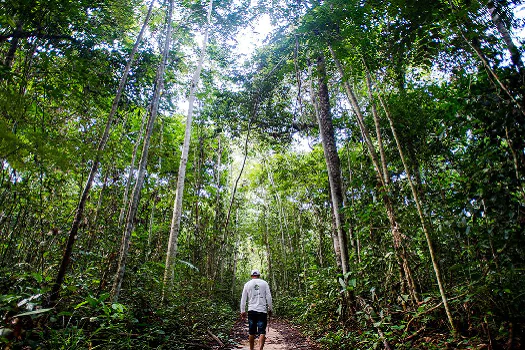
244, 297
269, 299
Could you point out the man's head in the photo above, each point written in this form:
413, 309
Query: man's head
256, 274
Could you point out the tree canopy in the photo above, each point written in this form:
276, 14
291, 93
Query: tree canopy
368, 157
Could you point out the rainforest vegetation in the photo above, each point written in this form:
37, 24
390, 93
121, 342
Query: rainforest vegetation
368, 156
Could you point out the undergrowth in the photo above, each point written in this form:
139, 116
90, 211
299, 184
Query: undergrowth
398, 322
85, 319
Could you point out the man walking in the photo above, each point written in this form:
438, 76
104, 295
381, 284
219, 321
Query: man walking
257, 292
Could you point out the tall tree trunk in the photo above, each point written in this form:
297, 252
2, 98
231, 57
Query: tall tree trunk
102, 144
236, 184
333, 234
384, 166
133, 205
216, 224
353, 238
406, 270
335, 239
177, 206
234, 272
383, 179
10, 56
505, 34
360, 119
131, 171
333, 163
93, 224
424, 225
151, 221
198, 154
268, 250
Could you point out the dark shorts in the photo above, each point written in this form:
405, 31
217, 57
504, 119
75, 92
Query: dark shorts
257, 322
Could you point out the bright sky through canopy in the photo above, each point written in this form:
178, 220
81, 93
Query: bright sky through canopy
253, 36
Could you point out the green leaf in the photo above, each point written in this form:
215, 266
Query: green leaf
38, 277
190, 265
81, 304
36, 312
118, 307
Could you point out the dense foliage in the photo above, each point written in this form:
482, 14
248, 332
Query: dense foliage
428, 114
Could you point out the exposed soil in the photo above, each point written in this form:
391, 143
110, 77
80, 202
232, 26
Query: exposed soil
280, 336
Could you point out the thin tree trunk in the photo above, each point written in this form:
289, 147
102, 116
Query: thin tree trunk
407, 272
283, 223
384, 166
298, 76
239, 176
333, 163
235, 254
160, 143
93, 223
516, 163
177, 206
102, 144
313, 100
197, 232
474, 45
151, 221
131, 171
133, 205
353, 238
335, 240
424, 225
383, 179
268, 250
320, 221
216, 224
360, 118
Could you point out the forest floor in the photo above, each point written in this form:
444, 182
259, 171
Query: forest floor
280, 336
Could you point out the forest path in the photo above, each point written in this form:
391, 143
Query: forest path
279, 336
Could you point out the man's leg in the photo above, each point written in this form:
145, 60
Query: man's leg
251, 339
262, 321
252, 328
262, 338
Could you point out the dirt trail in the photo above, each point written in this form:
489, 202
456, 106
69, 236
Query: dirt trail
280, 336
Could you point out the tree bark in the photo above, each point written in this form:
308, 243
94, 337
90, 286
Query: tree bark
177, 206
98, 155
505, 34
333, 162
10, 56
133, 205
